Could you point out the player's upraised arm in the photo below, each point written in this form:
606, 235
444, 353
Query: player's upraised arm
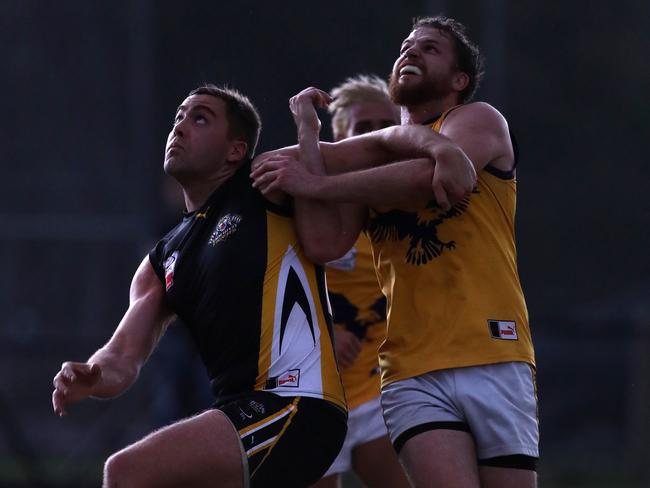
326, 231
115, 367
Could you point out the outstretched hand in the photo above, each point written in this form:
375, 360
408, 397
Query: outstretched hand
73, 383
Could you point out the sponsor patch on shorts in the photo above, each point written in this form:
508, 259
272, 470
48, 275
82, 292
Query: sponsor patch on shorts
503, 329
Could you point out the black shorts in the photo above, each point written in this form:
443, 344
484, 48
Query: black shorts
289, 441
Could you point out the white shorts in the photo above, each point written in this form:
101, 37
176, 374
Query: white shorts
365, 424
495, 403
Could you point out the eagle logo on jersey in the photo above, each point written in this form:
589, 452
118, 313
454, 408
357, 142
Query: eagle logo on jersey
226, 226
355, 320
421, 228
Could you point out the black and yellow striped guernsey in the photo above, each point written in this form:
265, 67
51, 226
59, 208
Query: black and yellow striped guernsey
451, 281
257, 308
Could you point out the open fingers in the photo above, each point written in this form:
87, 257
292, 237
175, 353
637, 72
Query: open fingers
58, 402
262, 181
271, 164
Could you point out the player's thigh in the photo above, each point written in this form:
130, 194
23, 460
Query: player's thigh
500, 404
429, 432
200, 451
441, 457
492, 477
377, 465
288, 441
373, 458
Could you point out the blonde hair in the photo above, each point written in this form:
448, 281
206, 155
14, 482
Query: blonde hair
356, 89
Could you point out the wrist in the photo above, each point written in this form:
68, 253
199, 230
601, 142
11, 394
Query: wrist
318, 186
439, 152
308, 133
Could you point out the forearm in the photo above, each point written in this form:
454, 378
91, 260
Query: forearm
119, 372
389, 185
135, 338
317, 222
382, 147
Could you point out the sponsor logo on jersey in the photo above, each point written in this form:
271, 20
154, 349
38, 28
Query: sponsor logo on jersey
290, 378
169, 265
503, 329
226, 226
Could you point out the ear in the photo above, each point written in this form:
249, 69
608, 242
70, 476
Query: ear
236, 151
460, 81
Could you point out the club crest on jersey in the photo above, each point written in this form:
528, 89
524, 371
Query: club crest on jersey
169, 265
226, 226
503, 329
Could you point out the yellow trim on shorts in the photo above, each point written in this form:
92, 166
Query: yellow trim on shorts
293, 409
265, 421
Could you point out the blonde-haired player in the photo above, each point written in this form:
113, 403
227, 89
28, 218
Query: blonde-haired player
361, 104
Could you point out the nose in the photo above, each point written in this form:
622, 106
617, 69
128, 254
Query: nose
179, 128
411, 51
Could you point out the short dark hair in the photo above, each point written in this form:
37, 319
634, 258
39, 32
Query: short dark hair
468, 57
243, 119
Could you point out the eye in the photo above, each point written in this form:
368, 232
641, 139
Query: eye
200, 119
177, 119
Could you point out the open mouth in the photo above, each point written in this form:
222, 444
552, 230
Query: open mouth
410, 69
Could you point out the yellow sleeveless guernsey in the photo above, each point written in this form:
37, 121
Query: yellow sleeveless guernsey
359, 307
451, 280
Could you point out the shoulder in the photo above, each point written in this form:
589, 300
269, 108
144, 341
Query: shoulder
476, 113
483, 133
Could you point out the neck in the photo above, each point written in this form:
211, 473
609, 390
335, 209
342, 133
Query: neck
416, 114
197, 192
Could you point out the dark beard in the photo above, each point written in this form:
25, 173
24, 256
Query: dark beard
413, 95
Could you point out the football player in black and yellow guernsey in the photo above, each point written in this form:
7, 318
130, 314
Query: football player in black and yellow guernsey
361, 104
458, 388
235, 274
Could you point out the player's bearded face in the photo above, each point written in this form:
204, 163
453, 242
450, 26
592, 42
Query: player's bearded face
425, 87
422, 73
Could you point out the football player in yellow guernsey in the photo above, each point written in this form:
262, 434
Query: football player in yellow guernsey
361, 104
458, 387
